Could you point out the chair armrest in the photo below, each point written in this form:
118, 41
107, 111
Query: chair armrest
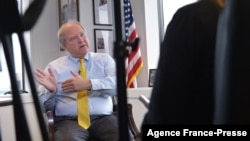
132, 124
144, 100
50, 117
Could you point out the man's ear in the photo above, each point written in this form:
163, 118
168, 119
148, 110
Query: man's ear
63, 47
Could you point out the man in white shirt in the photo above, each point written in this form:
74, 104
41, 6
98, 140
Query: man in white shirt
60, 83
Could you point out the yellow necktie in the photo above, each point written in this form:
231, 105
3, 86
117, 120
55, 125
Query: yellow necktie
82, 101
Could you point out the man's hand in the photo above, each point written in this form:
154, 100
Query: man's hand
77, 83
49, 81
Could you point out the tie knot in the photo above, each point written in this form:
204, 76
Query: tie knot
81, 60
82, 69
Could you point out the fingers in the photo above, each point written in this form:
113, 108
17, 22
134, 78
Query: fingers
73, 83
68, 85
51, 72
74, 74
39, 74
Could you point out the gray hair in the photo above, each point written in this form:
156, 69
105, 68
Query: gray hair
60, 34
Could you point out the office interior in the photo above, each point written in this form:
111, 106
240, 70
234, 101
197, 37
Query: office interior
151, 19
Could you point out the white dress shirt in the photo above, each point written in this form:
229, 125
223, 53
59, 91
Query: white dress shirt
101, 71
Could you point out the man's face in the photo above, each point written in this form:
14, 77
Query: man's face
77, 42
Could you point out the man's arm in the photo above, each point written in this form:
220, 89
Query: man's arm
46, 98
106, 85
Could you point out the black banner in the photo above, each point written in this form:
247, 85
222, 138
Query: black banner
160, 132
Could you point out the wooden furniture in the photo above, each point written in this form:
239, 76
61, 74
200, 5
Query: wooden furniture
131, 123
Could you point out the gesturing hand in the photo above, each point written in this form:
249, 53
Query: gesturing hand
49, 81
76, 83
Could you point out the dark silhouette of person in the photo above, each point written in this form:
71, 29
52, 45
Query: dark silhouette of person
183, 91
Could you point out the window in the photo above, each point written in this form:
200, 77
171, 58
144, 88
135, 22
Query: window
4, 73
5, 84
167, 9
170, 7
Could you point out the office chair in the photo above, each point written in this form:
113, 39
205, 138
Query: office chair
132, 126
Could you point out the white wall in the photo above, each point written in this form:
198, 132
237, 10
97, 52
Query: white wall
43, 40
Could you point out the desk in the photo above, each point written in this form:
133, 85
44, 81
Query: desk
7, 125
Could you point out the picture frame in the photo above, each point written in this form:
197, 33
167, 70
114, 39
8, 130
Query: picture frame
104, 39
68, 10
151, 78
103, 12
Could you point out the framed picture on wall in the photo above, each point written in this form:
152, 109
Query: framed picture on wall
68, 10
103, 14
103, 39
151, 77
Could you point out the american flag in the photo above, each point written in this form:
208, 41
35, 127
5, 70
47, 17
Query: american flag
134, 61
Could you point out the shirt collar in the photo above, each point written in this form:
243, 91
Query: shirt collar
86, 58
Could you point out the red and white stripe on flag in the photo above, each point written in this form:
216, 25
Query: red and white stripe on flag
134, 61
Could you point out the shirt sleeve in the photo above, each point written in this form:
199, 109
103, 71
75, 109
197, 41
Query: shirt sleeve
46, 98
105, 85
